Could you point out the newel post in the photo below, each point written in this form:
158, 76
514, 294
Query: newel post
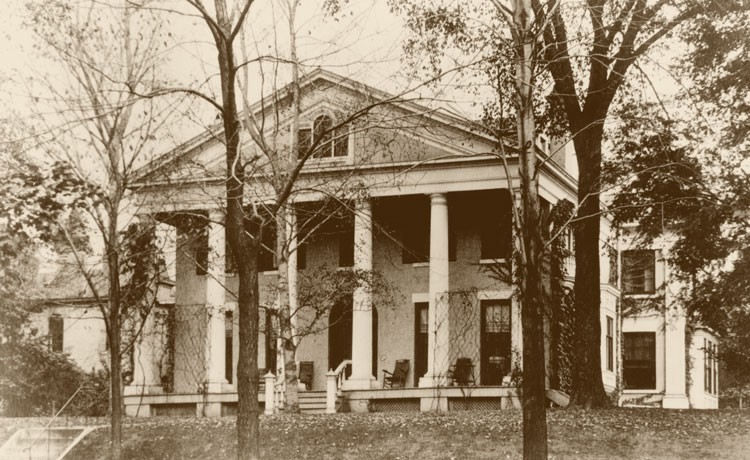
331, 391
270, 387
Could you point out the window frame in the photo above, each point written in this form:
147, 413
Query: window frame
628, 365
56, 339
610, 344
328, 149
710, 367
628, 286
229, 346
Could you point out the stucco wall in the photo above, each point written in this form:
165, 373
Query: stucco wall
84, 336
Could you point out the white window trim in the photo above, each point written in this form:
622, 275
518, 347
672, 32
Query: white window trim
330, 160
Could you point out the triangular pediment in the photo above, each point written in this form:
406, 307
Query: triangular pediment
382, 129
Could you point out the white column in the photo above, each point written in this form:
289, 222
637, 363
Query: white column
438, 328
362, 300
215, 303
145, 377
675, 394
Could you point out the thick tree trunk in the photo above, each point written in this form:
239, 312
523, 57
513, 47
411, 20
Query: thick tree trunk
243, 245
248, 435
115, 388
115, 327
587, 386
532, 305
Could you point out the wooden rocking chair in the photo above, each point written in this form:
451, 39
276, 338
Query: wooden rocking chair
397, 378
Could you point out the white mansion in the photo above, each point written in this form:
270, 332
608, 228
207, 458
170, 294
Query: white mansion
427, 206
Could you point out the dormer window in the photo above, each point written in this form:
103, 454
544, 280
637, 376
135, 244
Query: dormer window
331, 143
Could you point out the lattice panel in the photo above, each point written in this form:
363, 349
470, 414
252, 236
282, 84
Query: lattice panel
174, 410
395, 405
474, 404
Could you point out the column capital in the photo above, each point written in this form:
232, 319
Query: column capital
438, 199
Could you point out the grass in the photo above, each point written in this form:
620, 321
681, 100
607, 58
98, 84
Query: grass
615, 433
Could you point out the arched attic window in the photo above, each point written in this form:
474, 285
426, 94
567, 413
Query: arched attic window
332, 143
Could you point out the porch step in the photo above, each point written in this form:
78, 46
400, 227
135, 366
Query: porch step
312, 402
41, 443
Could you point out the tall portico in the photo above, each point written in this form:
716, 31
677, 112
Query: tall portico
439, 286
215, 350
362, 305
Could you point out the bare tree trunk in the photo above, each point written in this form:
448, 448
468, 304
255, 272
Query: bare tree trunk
289, 347
285, 313
248, 435
115, 387
115, 345
532, 305
244, 245
587, 385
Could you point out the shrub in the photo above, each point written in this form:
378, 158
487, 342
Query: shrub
35, 381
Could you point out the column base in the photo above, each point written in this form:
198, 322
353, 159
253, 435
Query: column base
137, 390
215, 387
431, 381
675, 401
138, 410
360, 384
433, 404
208, 409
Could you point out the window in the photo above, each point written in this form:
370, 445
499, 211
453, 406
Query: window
638, 269
639, 365
610, 344
228, 353
331, 143
711, 367
495, 341
56, 330
421, 340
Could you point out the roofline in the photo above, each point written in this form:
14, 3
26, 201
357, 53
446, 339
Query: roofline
440, 114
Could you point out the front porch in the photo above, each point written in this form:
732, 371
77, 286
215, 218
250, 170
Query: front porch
448, 398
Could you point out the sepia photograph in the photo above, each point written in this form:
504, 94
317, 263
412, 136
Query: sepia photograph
374, 229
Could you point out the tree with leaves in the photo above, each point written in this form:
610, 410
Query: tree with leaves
90, 134
508, 67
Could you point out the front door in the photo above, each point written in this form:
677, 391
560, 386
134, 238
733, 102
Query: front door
340, 334
495, 341
420, 340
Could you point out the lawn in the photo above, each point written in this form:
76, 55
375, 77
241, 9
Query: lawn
616, 433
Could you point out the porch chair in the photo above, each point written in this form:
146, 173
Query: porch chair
397, 378
462, 373
306, 369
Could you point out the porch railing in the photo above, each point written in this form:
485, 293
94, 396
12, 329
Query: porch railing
341, 374
334, 383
